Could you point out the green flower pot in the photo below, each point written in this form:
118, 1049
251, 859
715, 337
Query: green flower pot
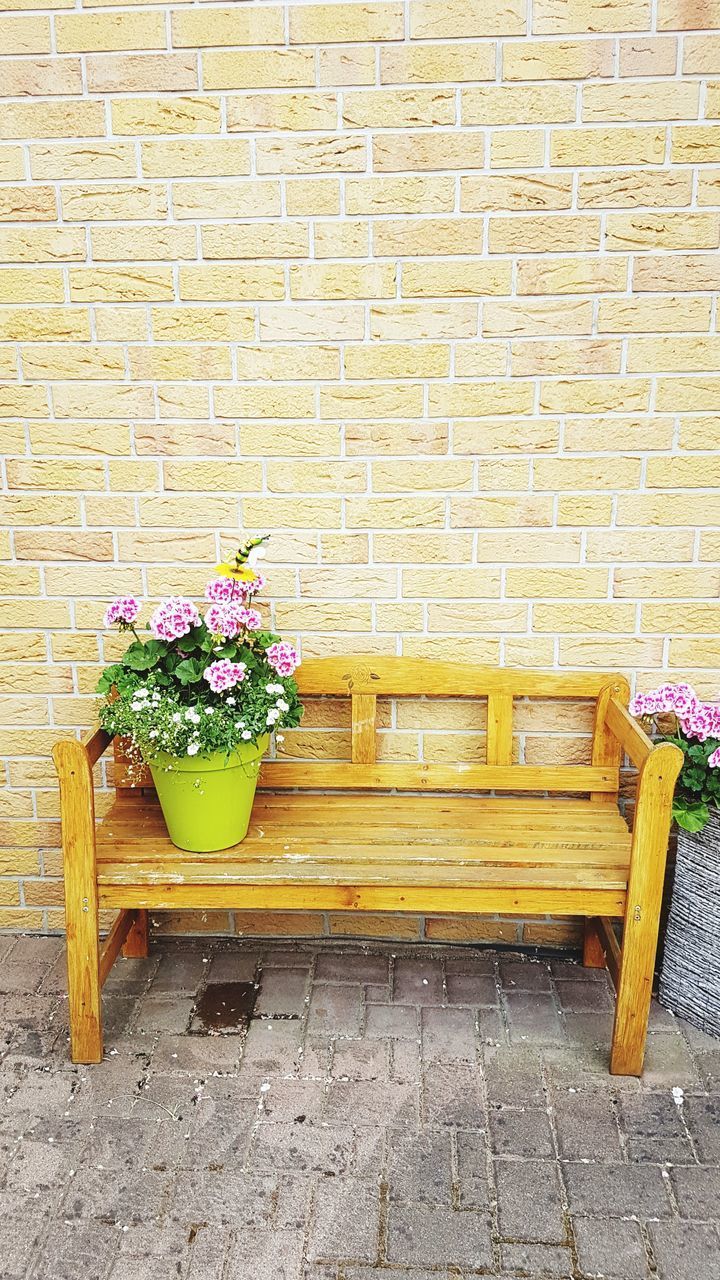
207, 800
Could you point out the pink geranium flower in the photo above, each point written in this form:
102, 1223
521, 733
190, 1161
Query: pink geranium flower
714, 759
223, 620
173, 618
123, 610
282, 658
224, 674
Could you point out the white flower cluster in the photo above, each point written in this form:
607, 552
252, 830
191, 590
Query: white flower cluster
280, 707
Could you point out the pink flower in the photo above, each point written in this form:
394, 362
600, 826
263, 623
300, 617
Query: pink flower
220, 590
282, 658
173, 618
684, 700
698, 723
250, 618
123, 610
224, 674
714, 759
223, 620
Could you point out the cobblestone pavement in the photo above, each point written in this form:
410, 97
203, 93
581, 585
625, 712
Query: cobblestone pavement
390, 1113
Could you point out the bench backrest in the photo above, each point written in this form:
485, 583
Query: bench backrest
365, 679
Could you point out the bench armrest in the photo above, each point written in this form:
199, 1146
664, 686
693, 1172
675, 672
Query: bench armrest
627, 731
95, 742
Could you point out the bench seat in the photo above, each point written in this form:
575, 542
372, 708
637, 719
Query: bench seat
330, 851
495, 834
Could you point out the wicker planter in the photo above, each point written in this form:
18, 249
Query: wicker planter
690, 978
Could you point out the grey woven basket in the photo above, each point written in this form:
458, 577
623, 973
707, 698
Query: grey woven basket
690, 977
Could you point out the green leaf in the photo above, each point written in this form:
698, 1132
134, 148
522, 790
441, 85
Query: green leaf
692, 815
189, 671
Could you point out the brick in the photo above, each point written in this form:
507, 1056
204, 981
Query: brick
179, 158
323, 23
432, 320
557, 59
347, 239
544, 234
561, 17
41, 77
227, 26
639, 102
648, 56
349, 64
399, 195
629, 188
595, 395
141, 72
93, 32
572, 275
141, 116
701, 54
614, 146
286, 111
226, 199
678, 271
519, 148
400, 151
216, 283
439, 278
445, 62
694, 144
676, 16
430, 19
311, 155
96, 160
537, 317
518, 104
259, 69
342, 280
42, 244
22, 204
633, 315
396, 360
111, 203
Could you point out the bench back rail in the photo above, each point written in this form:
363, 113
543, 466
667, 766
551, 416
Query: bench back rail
365, 679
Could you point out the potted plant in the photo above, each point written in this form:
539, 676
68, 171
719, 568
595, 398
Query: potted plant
198, 699
690, 976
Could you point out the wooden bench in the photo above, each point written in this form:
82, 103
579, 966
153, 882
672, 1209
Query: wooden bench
364, 846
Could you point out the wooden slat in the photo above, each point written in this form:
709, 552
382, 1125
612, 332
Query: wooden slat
653, 815
628, 733
412, 677
611, 947
415, 899
499, 728
363, 728
606, 749
112, 945
428, 777
95, 742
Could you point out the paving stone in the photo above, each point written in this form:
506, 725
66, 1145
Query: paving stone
417, 981
586, 1124
420, 1235
573, 971
529, 1201
233, 966
668, 1062
209, 1250
451, 1096
294, 1195
345, 1221
335, 1009
122, 1197
533, 1017
537, 1259
354, 967
370, 1273
697, 1191
514, 1075
593, 1031
361, 1060
406, 1061
584, 996
70, 1250
363, 1102
25, 964
473, 989
654, 1129
128, 974
419, 1167
525, 975
685, 1251
166, 1012
472, 1166
292, 1100
199, 1055
703, 1120
520, 1133
391, 1021
282, 991
181, 971
225, 1197
610, 1248
622, 1190
144, 1268
449, 1035
216, 1133
267, 1255
323, 1148
272, 1045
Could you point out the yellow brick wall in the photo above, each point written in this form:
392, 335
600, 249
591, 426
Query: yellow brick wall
425, 288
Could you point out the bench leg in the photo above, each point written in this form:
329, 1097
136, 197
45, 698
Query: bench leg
136, 944
593, 949
632, 1011
83, 963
